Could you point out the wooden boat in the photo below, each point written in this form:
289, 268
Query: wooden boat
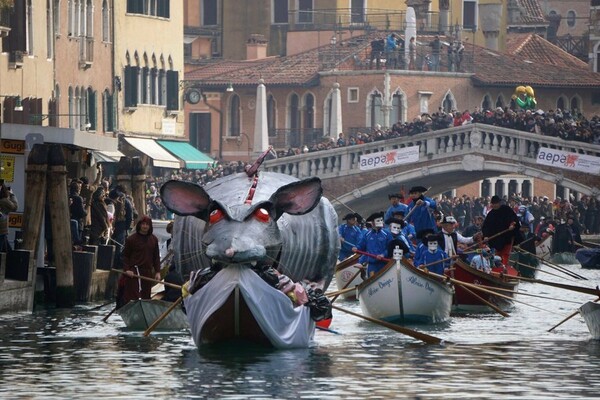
140, 314
402, 293
590, 312
544, 248
344, 271
589, 258
468, 302
526, 263
237, 304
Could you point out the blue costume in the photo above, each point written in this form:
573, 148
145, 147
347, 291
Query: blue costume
400, 207
427, 257
375, 242
422, 217
410, 234
352, 236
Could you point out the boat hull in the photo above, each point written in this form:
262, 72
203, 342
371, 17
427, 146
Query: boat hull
527, 264
564, 258
468, 302
238, 305
403, 293
544, 248
344, 271
590, 312
589, 258
140, 314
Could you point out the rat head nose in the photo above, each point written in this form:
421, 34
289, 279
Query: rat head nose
230, 252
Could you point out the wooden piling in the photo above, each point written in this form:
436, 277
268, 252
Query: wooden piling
138, 185
124, 173
58, 201
35, 187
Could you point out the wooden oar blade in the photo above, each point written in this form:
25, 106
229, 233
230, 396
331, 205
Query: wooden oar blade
405, 331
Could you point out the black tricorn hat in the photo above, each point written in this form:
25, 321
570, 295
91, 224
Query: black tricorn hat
418, 189
396, 195
431, 238
376, 215
395, 221
349, 216
398, 212
424, 232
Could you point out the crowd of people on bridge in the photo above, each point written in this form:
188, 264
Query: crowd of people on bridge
553, 123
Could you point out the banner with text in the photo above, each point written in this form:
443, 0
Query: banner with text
566, 160
389, 158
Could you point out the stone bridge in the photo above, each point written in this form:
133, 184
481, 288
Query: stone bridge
448, 159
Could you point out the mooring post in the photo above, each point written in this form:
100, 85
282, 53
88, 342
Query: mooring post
58, 202
35, 187
138, 185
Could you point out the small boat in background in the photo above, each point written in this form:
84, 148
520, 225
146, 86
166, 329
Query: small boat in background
526, 263
589, 258
138, 315
544, 248
468, 302
402, 293
590, 312
344, 271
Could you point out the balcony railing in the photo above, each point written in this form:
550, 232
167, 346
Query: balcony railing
295, 138
326, 19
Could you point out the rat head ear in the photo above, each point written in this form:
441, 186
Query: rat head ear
297, 198
185, 198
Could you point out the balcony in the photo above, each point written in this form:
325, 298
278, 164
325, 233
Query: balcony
86, 52
295, 138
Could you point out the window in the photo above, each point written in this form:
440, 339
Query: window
305, 11
271, 116
500, 101
172, 90
448, 103
108, 116
595, 98
234, 116
210, 13
71, 106
157, 8
575, 106
105, 21
280, 11
30, 40
92, 116
571, 18
560, 103
352, 95
376, 102
397, 108
469, 14
131, 86
89, 20
487, 103
56, 16
293, 117
49, 29
358, 11
309, 111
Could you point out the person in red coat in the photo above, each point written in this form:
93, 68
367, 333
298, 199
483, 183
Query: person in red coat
502, 221
140, 257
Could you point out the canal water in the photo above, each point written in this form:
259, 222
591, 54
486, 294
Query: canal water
72, 354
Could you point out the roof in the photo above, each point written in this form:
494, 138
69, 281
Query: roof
531, 13
549, 67
300, 69
530, 46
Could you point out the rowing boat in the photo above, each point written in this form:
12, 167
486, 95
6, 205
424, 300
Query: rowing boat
138, 315
402, 293
544, 248
344, 271
465, 301
589, 258
590, 312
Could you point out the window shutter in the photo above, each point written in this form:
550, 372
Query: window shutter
92, 112
172, 90
131, 86
110, 121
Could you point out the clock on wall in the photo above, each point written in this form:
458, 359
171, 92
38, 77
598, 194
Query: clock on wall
193, 96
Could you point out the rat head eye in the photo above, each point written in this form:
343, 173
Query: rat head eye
215, 216
262, 215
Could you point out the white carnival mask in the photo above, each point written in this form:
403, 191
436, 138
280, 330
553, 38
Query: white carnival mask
432, 246
378, 222
395, 228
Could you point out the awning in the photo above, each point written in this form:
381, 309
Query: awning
107, 156
160, 157
193, 158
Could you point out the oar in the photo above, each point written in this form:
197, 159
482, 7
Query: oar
552, 265
342, 203
163, 316
322, 328
543, 271
338, 292
568, 318
485, 240
405, 331
109, 314
145, 278
580, 289
102, 305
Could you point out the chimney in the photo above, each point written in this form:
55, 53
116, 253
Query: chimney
256, 47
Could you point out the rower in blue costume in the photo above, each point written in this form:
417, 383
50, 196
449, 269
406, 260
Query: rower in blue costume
350, 235
420, 210
375, 242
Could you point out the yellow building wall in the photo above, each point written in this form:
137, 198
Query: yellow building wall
153, 36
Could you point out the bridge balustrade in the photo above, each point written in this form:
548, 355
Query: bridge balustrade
480, 139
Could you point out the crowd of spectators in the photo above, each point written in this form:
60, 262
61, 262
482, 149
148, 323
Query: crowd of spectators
554, 123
